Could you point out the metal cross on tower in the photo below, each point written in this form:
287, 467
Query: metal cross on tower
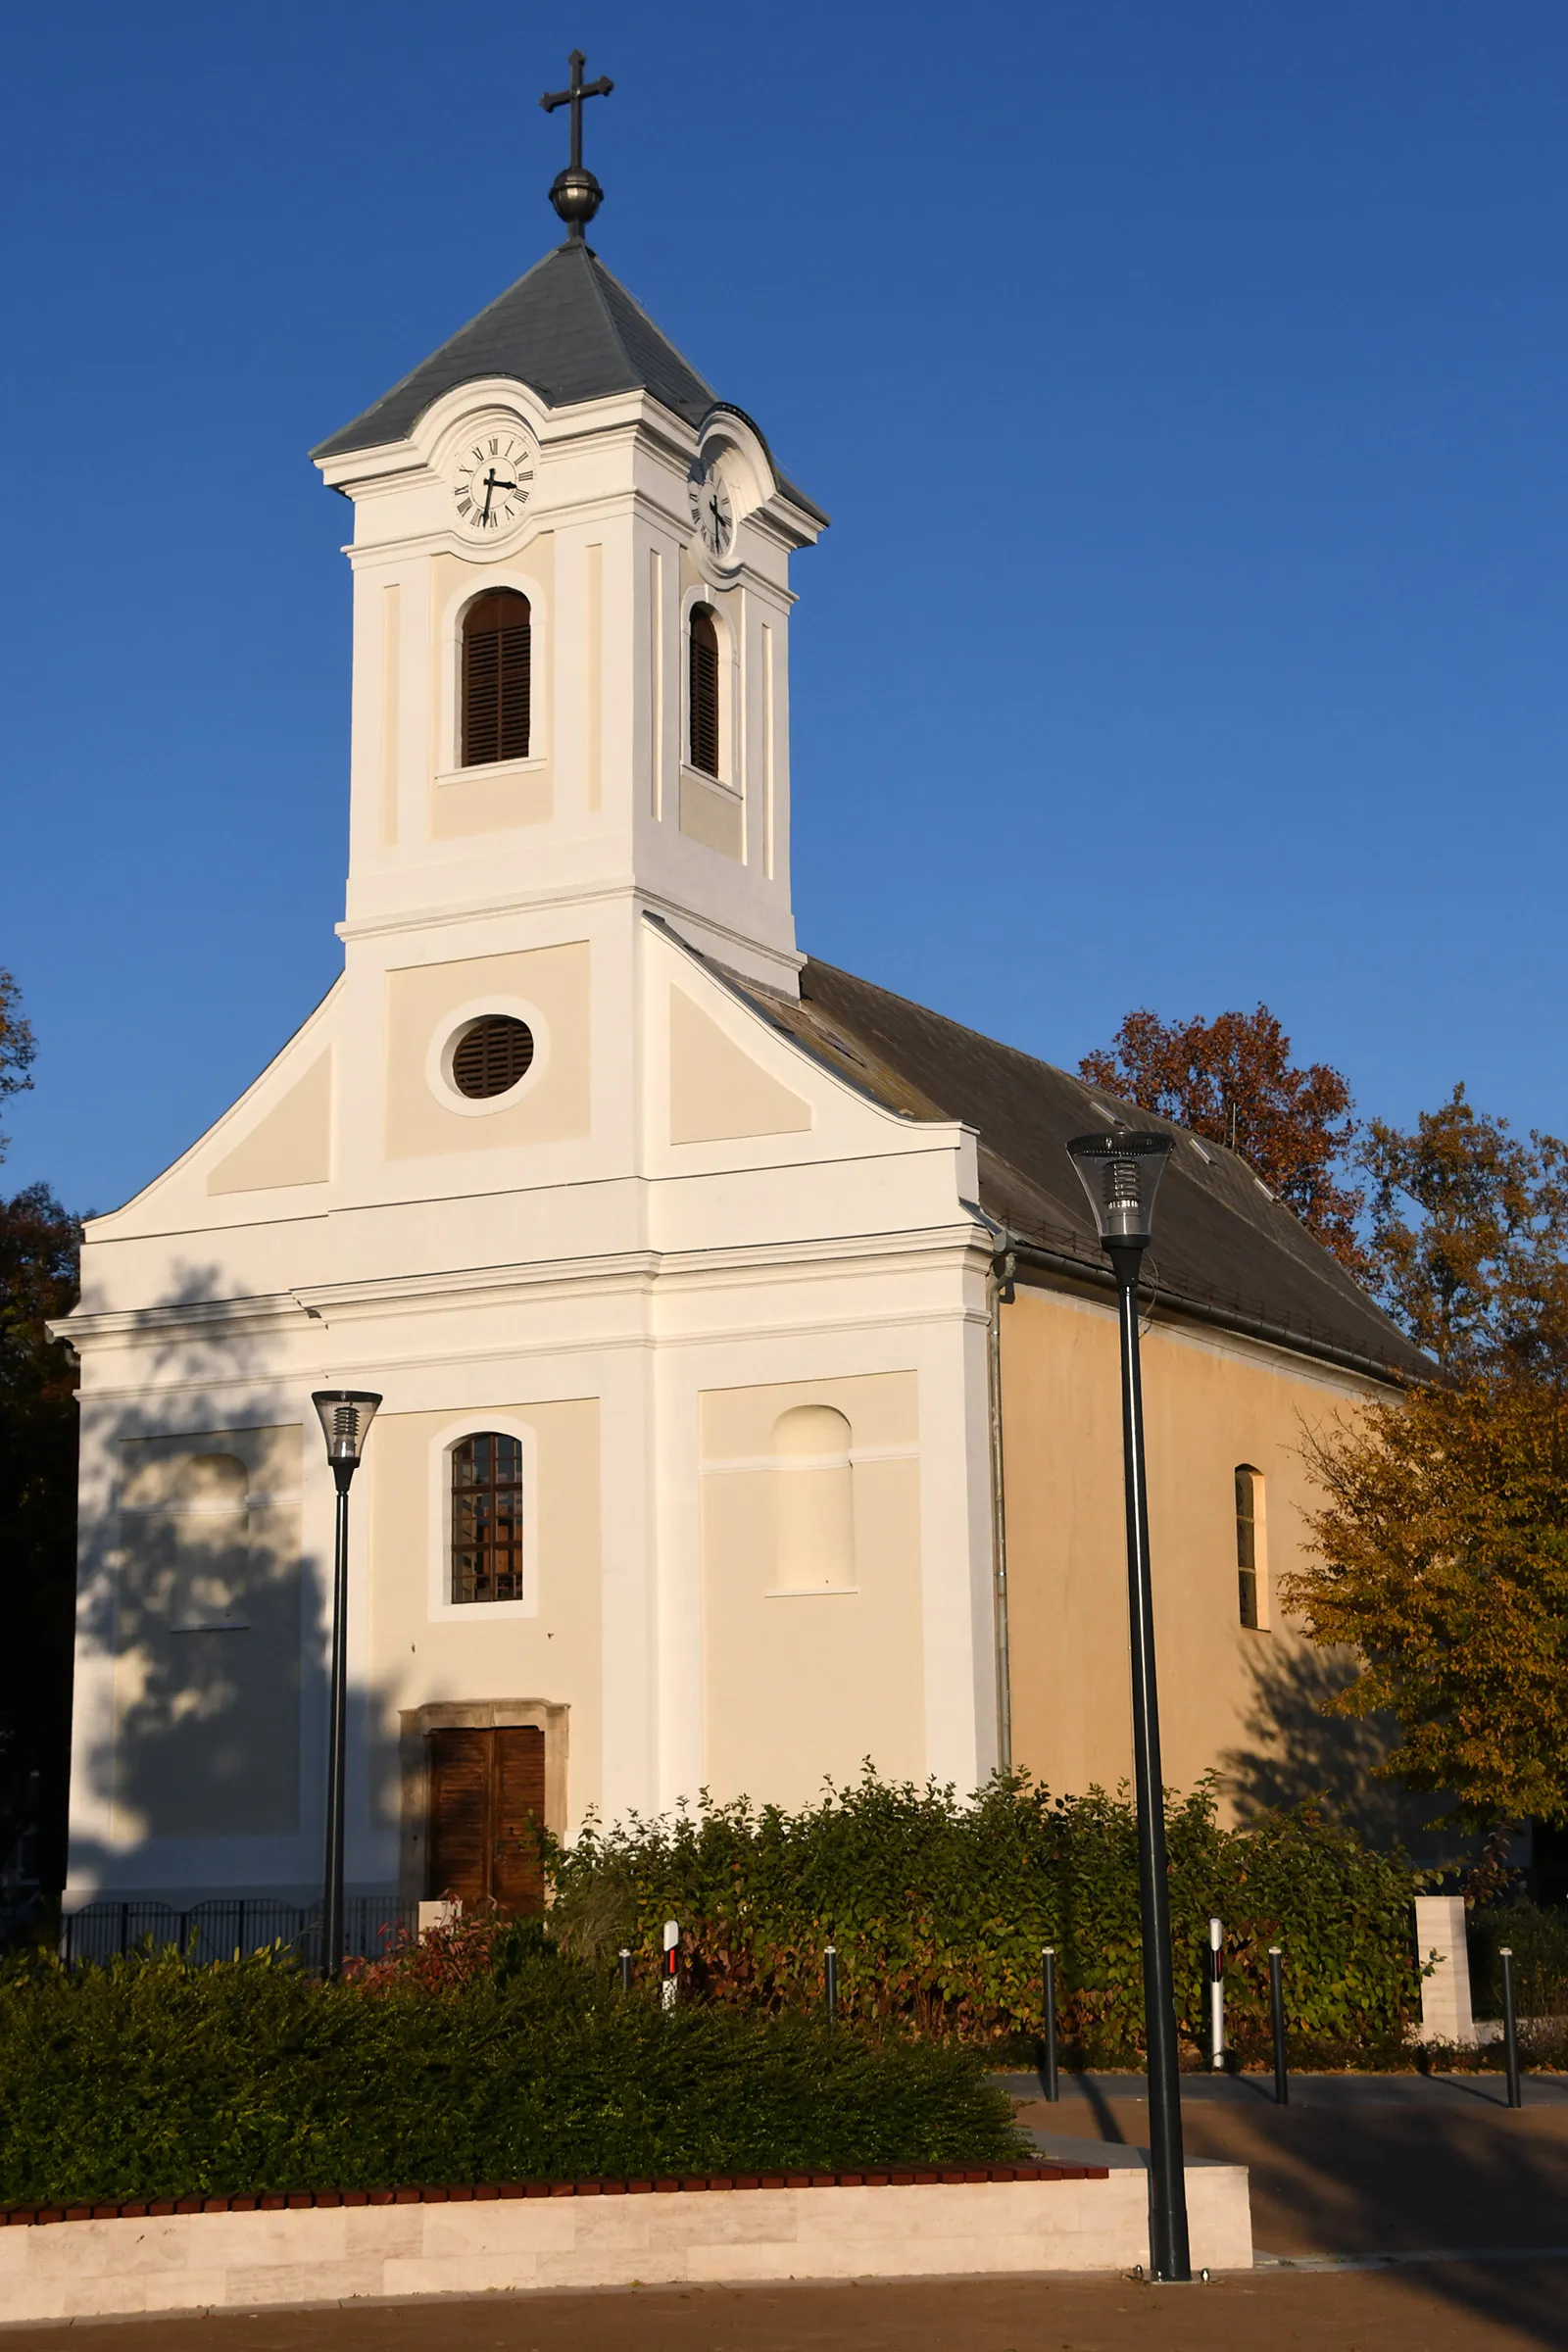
574, 192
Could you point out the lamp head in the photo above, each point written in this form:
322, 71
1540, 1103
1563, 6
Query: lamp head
1121, 1172
346, 1416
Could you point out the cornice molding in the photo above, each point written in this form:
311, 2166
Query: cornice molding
514, 902
332, 1304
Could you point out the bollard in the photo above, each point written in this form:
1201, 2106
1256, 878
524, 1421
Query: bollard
1510, 2030
1216, 1996
830, 1981
1276, 2003
669, 1990
625, 1970
1048, 1964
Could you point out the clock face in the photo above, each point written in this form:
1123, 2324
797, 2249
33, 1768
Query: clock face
495, 474
713, 514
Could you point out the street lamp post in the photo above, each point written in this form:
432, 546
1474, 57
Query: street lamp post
1120, 1174
346, 1415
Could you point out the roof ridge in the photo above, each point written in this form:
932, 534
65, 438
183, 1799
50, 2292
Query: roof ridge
602, 272
597, 270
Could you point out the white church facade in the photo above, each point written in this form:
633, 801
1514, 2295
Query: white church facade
749, 1370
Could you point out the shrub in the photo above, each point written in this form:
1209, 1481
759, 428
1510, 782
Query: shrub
1539, 1939
147, 2078
939, 1911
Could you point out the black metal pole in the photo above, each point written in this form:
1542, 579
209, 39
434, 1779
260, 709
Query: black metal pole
1510, 2030
1048, 2070
337, 1737
1276, 2003
625, 1970
1169, 2250
830, 1982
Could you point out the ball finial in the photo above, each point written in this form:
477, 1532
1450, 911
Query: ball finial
576, 196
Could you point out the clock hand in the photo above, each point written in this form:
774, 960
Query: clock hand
491, 485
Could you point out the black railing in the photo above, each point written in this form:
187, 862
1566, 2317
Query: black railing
229, 1928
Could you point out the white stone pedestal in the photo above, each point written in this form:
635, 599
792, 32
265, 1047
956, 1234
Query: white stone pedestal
1445, 1993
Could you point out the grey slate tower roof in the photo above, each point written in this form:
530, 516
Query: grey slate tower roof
568, 329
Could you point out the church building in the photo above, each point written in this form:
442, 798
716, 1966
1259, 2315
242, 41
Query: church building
748, 1357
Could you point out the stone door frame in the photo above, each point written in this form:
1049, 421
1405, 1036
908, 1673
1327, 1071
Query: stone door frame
415, 1725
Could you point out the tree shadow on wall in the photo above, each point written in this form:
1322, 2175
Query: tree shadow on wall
1293, 1752
204, 1612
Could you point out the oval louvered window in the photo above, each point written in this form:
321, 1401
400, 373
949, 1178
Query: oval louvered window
497, 638
704, 691
491, 1055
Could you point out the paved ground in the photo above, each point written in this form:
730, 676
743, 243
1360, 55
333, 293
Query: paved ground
1503, 2308
1354, 2169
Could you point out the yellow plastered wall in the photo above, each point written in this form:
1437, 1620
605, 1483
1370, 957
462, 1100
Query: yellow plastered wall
716, 1089
804, 1679
548, 986
292, 1143
419, 1656
207, 1618
1207, 1408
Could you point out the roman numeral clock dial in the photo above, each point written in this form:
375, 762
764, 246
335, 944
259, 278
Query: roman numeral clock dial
495, 474
713, 512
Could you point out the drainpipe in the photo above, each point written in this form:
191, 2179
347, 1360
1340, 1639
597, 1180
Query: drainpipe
1000, 1294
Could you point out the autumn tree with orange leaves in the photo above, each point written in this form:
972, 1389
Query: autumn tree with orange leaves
1439, 1552
1231, 1079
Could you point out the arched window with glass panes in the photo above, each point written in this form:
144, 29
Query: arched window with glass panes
703, 692
487, 1562
497, 681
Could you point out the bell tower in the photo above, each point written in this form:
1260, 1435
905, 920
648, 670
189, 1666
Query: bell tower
571, 624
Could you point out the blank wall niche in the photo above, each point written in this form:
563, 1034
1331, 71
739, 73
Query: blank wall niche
813, 1501
811, 1584
207, 1616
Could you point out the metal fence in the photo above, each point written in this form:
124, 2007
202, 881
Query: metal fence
231, 1928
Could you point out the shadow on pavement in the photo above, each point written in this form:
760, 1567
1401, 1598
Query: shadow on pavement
1366, 2166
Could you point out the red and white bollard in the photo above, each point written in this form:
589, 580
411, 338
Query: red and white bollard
1216, 1996
669, 1989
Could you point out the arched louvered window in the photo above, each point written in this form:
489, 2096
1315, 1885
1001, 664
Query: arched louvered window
704, 691
1248, 1548
496, 652
487, 1518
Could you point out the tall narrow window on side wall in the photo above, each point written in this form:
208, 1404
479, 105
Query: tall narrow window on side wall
704, 691
496, 662
487, 1518
1249, 1562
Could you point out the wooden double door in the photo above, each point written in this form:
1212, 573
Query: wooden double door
487, 1799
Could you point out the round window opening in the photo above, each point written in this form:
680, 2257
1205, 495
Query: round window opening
491, 1055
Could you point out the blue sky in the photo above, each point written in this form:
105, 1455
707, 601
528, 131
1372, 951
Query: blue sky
1186, 384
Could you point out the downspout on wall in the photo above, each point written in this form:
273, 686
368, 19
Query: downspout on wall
1000, 1294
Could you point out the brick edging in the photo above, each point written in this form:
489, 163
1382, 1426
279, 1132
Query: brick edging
304, 2199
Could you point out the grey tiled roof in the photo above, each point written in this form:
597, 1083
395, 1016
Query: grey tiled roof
568, 330
1225, 1249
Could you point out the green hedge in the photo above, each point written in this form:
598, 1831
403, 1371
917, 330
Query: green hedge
150, 2079
1539, 1940
939, 1910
